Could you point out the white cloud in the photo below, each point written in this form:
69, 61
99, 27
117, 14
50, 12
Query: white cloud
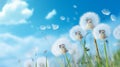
51, 14
15, 12
14, 45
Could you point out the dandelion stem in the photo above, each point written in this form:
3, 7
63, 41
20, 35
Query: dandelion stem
97, 51
105, 51
67, 61
46, 62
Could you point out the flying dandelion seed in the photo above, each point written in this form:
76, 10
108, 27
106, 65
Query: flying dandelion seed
42, 27
89, 20
113, 17
76, 33
28, 63
62, 18
41, 62
55, 27
106, 12
116, 32
48, 27
101, 31
61, 46
74, 6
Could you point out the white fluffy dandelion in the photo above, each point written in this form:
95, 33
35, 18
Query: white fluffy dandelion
75, 52
61, 46
28, 63
101, 31
41, 62
77, 33
116, 32
89, 20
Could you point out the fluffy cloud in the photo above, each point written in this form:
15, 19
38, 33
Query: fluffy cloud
15, 12
14, 45
51, 14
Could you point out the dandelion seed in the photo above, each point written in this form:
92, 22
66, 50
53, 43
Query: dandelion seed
102, 31
116, 32
113, 17
55, 27
48, 27
89, 20
106, 12
74, 6
42, 27
62, 18
76, 33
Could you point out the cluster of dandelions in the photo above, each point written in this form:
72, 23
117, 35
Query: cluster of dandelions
77, 54
40, 62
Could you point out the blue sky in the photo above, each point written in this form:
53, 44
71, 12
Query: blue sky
27, 24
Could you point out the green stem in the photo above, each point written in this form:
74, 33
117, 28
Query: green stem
85, 53
97, 51
46, 62
105, 51
67, 61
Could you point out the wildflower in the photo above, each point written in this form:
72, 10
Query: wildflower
76, 33
89, 20
116, 32
102, 31
60, 46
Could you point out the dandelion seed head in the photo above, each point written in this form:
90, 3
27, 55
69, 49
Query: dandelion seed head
76, 33
28, 63
41, 62
101, 31
61, 45
116, 32
75, 52
89, 20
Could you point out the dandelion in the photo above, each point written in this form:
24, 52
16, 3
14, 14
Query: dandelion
116, 32
89, 20
42, 62
76, 54
76, 33
102, 32
28, 63
61, 47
